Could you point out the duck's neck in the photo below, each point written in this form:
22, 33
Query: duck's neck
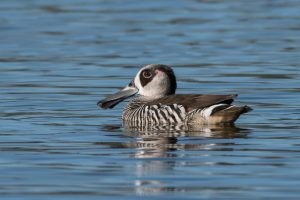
148, 98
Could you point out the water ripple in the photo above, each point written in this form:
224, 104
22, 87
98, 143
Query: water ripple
59, 58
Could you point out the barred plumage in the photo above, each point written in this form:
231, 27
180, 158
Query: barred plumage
140, 113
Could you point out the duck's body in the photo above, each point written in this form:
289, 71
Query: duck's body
183, 108
158, 104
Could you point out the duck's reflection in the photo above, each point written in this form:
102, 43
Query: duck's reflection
165, 144
160, 149
174, 131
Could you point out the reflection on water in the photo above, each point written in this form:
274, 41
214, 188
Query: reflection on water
157, 148
208, 131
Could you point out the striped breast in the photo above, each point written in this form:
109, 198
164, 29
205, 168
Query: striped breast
140, 114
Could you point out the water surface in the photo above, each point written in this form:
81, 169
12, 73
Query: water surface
58, 58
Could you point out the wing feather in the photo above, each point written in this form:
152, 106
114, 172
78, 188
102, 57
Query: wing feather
194, 101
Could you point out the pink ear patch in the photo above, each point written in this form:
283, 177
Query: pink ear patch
158, 72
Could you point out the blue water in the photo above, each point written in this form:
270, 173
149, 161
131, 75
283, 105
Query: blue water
58, 58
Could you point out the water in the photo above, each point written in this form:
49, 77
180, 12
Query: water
58, 58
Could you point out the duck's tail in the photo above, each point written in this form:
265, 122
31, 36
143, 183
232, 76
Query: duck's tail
228, 114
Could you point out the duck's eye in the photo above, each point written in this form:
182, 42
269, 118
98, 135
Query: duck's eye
147, 74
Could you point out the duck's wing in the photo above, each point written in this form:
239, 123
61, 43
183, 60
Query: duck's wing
194, 101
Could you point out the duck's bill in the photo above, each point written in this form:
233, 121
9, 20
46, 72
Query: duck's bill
113, 99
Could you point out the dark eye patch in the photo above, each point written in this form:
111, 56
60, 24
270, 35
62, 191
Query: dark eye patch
146, 76
147, 73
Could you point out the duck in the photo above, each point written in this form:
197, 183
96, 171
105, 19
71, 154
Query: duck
156, 103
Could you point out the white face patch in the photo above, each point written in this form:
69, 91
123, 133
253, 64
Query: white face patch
137, 81
158, 86
158, 83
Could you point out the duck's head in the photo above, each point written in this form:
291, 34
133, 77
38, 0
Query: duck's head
152, 81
